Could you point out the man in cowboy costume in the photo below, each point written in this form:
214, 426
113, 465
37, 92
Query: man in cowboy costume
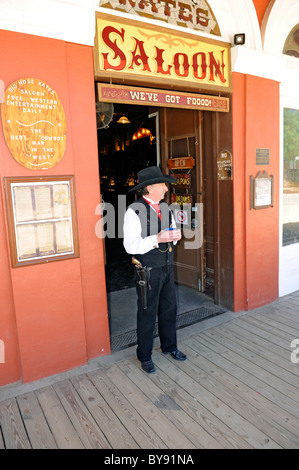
149, 235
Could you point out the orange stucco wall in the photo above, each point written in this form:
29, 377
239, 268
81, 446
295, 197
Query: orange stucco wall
261, 7
53, 316
256, 239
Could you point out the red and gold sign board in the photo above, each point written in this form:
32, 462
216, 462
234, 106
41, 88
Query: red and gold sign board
135, 51
34, 123
181, 199
153, 97
180, 163
183, 180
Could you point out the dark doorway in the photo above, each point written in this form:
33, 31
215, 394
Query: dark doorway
124, 149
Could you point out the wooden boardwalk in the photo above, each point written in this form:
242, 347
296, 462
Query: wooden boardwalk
238, 389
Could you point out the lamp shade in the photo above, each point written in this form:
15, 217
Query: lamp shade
123, 120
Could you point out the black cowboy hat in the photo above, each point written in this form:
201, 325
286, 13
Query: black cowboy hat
151, 175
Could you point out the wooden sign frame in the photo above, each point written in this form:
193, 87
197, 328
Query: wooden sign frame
116, 51
34, 123
181, 163
183, 180
111, 93
42, 221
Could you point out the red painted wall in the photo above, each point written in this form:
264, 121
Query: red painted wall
10, 370
256, 238
53, 316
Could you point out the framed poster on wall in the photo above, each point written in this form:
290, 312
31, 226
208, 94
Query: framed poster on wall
41, 219
261, 191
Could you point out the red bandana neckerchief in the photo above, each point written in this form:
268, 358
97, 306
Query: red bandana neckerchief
155, 206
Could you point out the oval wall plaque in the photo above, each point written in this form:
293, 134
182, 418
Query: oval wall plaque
224, 165
34, 123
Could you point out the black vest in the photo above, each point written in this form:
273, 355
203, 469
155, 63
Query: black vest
152, 225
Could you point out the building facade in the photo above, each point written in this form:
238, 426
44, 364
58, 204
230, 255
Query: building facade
215, 85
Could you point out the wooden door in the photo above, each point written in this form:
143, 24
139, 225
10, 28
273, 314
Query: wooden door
181, 136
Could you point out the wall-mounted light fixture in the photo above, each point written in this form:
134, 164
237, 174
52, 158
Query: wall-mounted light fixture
239, 39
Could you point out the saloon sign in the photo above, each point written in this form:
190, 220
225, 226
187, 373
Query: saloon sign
34, 123
151, 54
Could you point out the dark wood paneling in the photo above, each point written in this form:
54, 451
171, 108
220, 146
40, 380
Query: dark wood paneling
209, 202
225, 216
218, 210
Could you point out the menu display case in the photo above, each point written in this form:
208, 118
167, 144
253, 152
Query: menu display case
41, 219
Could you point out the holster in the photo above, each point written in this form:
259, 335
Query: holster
143, 274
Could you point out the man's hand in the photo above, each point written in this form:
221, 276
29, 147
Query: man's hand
166, 236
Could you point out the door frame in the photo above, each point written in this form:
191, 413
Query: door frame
197, 135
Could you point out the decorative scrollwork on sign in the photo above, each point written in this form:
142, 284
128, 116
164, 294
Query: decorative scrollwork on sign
168, 39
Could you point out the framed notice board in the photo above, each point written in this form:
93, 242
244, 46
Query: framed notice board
261, 191
42, 219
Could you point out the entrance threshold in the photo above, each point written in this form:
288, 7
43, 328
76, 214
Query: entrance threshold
194, 307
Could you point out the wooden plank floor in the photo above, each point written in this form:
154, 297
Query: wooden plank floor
238, 389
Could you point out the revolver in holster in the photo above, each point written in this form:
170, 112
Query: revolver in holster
143, 274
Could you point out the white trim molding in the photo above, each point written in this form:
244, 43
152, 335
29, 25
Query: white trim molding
72, 21
234, 17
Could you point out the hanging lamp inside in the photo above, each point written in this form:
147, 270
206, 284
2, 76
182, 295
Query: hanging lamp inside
123, 120
141, 133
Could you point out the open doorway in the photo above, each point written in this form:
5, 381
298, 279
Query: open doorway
130, 138
127, 142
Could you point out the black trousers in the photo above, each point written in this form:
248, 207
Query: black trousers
162, 303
